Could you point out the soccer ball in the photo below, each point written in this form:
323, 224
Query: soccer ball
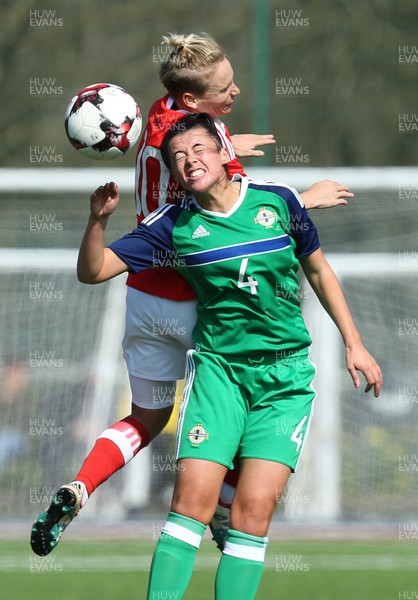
102, 121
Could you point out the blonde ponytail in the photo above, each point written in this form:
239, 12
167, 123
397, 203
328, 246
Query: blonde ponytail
190, 60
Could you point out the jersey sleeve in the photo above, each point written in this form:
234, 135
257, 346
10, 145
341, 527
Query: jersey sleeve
151, 244
234, 166
301, 227
298, 223
154, 184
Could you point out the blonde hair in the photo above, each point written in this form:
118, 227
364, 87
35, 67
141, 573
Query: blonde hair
190, 60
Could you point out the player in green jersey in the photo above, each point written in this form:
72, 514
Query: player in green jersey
239, 243
198, 77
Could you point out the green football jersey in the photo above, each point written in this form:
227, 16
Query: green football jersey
242, 265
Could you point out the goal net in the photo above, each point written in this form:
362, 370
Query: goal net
64, 379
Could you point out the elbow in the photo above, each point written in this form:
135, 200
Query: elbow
93, 278
85, 273
85, 278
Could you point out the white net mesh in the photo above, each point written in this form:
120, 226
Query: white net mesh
57, 384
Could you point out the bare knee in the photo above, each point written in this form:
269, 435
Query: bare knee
152, 402
197, 503
196, 490
200, 509
252, 515
257, 494
153, 420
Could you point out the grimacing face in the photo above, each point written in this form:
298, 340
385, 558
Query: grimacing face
196, 160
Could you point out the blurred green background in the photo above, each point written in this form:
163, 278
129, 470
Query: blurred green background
331, 76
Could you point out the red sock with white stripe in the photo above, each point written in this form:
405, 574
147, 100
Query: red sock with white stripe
113, 449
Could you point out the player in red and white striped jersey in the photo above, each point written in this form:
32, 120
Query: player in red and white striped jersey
154, 186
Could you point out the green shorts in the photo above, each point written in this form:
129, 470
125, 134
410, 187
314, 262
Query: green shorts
258, 407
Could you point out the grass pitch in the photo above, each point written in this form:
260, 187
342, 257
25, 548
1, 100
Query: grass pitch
116, 570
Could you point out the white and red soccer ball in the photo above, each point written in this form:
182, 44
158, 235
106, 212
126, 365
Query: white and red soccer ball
103, 121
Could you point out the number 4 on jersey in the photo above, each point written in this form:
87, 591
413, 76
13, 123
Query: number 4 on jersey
295, 437
250, 281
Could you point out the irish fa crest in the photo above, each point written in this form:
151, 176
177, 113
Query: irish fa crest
197, 434
266, 217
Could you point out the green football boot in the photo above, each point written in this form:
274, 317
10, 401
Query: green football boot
51, 524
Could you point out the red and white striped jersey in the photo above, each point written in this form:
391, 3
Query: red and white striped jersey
155, 186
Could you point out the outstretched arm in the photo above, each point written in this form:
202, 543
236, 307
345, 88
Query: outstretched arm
245, 144
95, 262
326, 286
326, 194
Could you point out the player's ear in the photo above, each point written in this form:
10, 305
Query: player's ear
189, 100
224, 156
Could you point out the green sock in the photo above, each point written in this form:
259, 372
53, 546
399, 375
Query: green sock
240, 568
174, 556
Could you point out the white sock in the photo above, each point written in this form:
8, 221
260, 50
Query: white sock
85, 495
